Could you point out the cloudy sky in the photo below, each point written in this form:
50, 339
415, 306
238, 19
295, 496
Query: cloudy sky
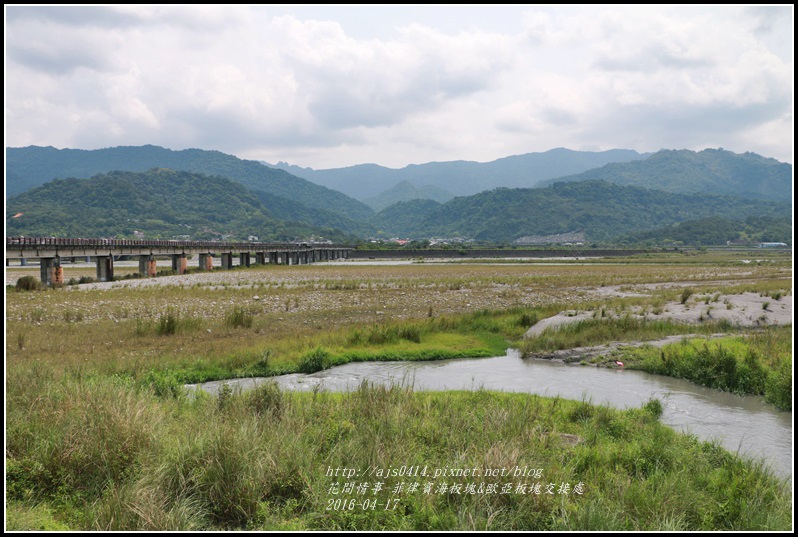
327, 87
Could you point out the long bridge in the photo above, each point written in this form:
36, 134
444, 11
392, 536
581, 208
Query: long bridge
50, 250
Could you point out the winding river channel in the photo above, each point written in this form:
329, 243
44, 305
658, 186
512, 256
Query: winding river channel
745, 424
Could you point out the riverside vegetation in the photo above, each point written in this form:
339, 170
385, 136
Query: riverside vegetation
101, 434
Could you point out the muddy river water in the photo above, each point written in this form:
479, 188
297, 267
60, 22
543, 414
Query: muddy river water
741, 424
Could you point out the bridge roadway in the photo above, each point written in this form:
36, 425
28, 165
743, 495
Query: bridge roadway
50, 250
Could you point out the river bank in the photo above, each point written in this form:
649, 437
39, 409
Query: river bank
97, 438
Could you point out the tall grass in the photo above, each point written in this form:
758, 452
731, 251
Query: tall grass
735, 364
263, 461
239, 318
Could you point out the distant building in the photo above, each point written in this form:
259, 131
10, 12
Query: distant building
772, 245
573, 238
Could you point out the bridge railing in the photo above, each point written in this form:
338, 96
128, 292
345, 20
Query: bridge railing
134, 243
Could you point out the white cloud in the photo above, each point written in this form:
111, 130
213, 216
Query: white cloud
305, 90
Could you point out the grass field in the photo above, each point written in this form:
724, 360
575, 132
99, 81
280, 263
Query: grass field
101, 436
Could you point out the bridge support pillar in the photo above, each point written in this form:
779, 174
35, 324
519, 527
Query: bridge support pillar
147, 266
260, 258
243, 259
179, 263
284, 258
22, 262
105, 268
51, 271
227, 261
205, 262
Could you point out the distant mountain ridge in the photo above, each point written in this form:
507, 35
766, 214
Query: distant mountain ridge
702, 185
603, 211
28, 167
407, 191
460, 177
714, 171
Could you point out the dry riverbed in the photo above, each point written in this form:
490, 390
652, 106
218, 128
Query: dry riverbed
743, 310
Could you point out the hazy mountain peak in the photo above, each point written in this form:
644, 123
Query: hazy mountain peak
463, 177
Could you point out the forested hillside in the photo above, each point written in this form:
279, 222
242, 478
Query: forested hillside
712, 171
604, 211
160, 203
28, 167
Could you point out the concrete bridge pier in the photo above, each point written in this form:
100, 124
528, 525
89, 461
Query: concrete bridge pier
205, 262
147, 266
227, 261
284, 258
51, 271
260, 258
243, 259
105, 268
179, 263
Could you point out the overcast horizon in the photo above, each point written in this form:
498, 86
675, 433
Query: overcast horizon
327, 87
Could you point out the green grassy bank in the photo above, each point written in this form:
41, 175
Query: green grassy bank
757, 364
102, 453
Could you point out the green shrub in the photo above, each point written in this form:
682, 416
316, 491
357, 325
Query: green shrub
239, 318
316, 360
529, 319
686, 294
654, 407
29, 283
267, 400
167, 323
170, 322
778, 387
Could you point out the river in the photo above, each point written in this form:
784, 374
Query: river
742, 424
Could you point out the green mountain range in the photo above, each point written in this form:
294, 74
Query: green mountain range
715, 171
714, 230
693, 191
160, 203
602, 210
27, 167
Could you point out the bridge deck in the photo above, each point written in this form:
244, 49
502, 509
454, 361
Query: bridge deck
50, 250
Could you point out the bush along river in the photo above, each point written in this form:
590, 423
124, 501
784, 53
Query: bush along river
741, 424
